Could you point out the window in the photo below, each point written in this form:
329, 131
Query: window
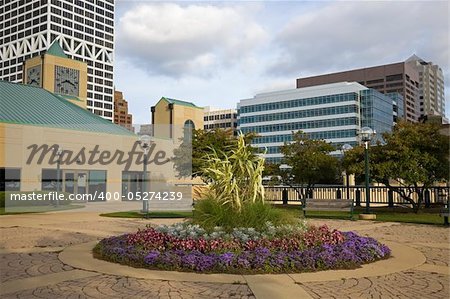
394, 77
189, 126
9, 179
131, 182
97, 181
49, 180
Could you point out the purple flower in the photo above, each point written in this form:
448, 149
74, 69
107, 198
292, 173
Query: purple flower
278, 260
118, 251
226, 259
152, 257
206, 262
243, 260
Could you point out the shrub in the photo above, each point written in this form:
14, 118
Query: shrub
210, 213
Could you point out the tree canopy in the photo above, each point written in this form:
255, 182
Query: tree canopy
414, 156
309, 162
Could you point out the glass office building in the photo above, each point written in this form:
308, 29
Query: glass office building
332, 112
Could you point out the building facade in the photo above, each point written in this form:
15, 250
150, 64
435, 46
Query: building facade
402, 78
121, 115
97, 156
84, 29
220, 119
431, 87
332, 112
171, 116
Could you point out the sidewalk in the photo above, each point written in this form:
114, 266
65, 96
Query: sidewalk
52, 259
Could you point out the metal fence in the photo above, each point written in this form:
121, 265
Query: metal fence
378, 194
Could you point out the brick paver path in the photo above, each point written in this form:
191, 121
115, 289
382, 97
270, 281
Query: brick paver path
29, 246
108, 286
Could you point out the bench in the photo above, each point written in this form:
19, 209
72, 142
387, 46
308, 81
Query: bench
310, 204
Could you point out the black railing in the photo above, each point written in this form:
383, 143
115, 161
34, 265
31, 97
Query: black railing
378, 194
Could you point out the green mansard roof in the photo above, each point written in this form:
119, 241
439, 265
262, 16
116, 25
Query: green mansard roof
56, 50
29, 105
179, 102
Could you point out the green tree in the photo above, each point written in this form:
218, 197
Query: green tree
272, 171
415, 156
309, 163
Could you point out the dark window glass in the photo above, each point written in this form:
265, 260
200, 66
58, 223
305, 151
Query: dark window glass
97, 181
9, 179
49, 180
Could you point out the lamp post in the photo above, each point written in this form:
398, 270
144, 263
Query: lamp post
144, 142
345, 148
366, 135
58, 155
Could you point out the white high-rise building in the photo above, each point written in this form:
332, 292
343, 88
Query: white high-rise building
431, 87
332, 112
84, 29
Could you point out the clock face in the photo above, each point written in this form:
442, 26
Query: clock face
34, 76
67, 81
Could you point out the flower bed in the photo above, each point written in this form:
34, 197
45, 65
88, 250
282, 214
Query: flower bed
283, 249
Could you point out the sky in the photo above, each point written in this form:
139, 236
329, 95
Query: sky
215, 53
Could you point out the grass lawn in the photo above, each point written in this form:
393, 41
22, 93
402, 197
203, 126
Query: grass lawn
37, 209
159, 214
398, 214
383, 214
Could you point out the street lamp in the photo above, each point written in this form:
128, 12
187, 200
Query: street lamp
366, 135
58, 154
144, 143
345, 148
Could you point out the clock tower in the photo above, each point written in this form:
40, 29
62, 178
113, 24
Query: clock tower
56, 72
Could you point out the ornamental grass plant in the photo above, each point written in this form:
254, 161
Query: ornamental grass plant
235, 197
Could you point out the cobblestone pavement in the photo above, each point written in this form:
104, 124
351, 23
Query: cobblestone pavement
29, 246
107, 286
406, 284
15, 266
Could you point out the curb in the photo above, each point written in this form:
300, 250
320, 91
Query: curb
402, 258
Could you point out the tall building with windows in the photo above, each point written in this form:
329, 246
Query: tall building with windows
84, 30
402, 78
121, 115
431, 87
332, 112
220, 119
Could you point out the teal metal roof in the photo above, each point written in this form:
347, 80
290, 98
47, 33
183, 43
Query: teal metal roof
56, 50
29, 105
67, 97
179, 102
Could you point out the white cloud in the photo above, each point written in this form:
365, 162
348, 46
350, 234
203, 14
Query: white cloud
342, 35
178, 40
